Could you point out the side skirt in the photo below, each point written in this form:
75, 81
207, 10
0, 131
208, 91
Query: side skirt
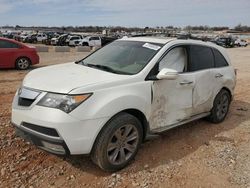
161, 129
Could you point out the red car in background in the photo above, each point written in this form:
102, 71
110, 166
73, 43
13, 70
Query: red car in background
14, 54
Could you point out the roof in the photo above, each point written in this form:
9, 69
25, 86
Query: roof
149, 39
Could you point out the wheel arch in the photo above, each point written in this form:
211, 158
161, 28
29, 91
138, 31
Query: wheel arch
141, 117
229, 91
19, 57
132, 111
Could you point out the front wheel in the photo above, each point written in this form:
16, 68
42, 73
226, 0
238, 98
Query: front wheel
117, 143
220, 107
22, 63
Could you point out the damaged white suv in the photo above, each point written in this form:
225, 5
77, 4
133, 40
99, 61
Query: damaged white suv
106, 104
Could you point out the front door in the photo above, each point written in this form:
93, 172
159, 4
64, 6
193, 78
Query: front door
172, 99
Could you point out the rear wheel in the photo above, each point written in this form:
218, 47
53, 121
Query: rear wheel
220, 107
118, 142
23, 63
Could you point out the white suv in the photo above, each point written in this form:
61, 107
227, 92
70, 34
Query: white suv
41, 37
106, 104
91, 41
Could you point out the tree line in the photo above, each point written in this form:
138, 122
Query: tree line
98, 29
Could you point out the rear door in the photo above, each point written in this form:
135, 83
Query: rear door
222, 74
201, 63
8, 52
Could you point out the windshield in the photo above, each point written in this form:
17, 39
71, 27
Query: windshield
123, 57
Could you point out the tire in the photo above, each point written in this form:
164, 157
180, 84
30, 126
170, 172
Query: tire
118, 142
220, 107
23, 63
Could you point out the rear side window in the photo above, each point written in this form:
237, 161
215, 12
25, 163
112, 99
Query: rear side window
200, 58
219, 59
7, 44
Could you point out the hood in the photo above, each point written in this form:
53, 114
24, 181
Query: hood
64, 78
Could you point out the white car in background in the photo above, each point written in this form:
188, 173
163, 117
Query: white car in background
74, 40
241, 42
91, 41
41, 37
24, 36
108, 103
54, 40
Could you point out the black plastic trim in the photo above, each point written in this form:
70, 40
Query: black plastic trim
40, 129
37, 140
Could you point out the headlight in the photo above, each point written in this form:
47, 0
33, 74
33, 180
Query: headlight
66, 103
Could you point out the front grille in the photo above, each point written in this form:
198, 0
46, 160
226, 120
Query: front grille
40, 129
25, 102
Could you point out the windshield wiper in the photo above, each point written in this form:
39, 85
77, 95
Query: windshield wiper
106, 68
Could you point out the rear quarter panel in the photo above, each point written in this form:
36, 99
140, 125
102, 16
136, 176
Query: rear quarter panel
29, 53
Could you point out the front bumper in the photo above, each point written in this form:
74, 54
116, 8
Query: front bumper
53, 145
74, 135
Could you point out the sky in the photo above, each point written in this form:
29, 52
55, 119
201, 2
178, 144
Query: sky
129, 13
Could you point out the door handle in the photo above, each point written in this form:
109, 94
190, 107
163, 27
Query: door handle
218, 75
185, 82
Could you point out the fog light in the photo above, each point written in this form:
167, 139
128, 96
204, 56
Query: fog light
54, 147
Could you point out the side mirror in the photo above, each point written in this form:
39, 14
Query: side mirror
167, 74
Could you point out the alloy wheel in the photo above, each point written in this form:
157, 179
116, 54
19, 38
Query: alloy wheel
123, 144
23, 63
222, 106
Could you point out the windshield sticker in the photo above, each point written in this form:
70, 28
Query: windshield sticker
151, 46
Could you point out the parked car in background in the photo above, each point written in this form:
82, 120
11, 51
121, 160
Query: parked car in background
73, 40
14, 54
241, 42
9, 34
17, 37
50, 37
31, 38
226, 42
106, 104
23, 36
41, 37
54, 40
91, 41
61, 41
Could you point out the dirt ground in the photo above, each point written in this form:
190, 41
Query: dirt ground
198, 154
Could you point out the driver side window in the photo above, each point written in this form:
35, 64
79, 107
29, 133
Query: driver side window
175, 59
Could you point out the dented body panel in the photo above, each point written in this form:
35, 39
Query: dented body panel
172, 102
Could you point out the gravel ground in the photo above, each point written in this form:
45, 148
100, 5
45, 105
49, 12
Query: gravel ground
198, 154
